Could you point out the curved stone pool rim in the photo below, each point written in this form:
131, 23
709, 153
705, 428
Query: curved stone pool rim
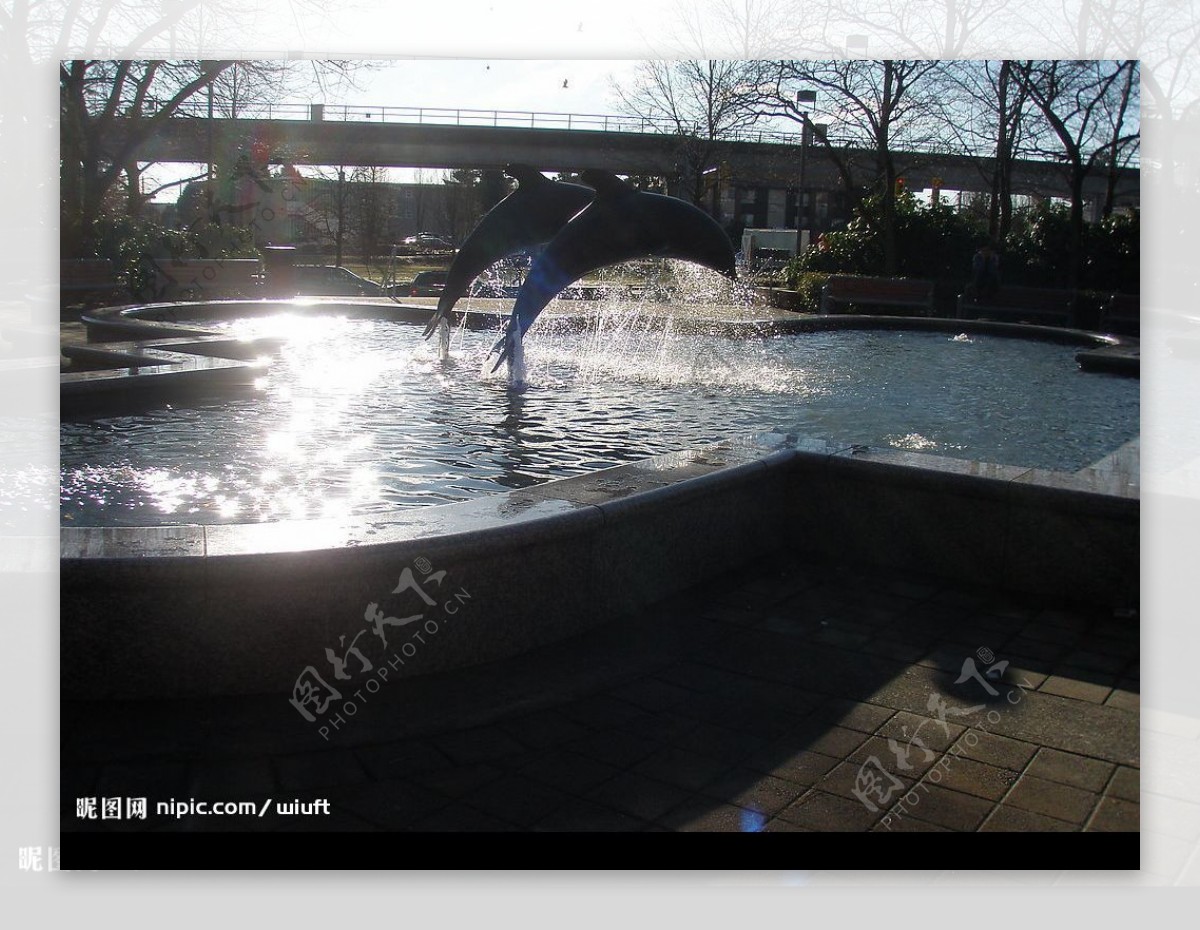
238, 609
249, 608
155, 321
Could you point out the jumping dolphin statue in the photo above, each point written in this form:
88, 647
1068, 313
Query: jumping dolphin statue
621, 223
529, 216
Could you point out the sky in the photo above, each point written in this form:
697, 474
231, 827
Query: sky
496, 84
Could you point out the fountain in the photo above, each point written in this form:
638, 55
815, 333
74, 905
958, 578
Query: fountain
207, 607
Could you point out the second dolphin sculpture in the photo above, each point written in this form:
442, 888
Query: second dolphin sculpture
620, 224
531, 215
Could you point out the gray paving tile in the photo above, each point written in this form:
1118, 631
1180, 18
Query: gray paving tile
1008, 819
517, 799
329, 768
719, 742
545, 729
482, 744
1114, 647
951, 809
1070, 769
851, 715
1034, 649
653, 695
1073, 726
779, 825
835, 741
660, 728
1062, 802
614, 747
971, 777
908, 824
908, 728
706, 815
896, 649
683, 768
456, 781
819, 810
1097, 661
1115, 815
754, 791
568, 771
639, 796
401, 758
847, 777
1125, 698
1126, 784
799, 766
896, 756
1041, 632
601, 711
1076, 689
1071, 620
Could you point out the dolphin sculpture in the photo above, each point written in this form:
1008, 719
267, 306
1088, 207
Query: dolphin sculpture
621, 223
529, 216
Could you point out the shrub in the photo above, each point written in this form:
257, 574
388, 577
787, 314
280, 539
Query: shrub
128, 241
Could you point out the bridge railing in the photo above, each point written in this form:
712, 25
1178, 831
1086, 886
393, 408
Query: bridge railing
445, 116
519, 119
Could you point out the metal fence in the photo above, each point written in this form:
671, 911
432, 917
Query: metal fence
523, 119
442, 116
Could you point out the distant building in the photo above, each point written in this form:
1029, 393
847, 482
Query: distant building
289, 208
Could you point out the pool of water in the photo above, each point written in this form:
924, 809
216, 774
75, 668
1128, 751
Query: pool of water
360, 417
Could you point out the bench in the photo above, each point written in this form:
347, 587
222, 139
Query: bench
912, 293
203, 278
84, 280
1122, 313
1024, 304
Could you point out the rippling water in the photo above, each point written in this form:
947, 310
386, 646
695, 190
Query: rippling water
360, 417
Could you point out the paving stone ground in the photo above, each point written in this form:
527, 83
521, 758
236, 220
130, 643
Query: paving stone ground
797, 696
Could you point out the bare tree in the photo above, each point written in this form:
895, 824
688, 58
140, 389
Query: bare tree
1087, 124
986, 122
881, 108
93, 95
372, 208
110, 109
701, 102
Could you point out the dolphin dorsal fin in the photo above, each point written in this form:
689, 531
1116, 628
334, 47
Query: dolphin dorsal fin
606, 183
525, 175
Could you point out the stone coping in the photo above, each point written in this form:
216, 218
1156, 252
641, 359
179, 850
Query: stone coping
152, 331
239, 609
158, 321
643, 483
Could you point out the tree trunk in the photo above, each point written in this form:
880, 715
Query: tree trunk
888, 205
1075, 267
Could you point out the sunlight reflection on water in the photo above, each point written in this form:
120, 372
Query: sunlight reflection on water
360, 416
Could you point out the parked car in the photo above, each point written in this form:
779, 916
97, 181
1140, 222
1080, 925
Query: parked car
425, 284
332, 281
428, 242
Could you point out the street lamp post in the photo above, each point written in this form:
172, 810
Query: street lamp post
803, 98
209, 67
